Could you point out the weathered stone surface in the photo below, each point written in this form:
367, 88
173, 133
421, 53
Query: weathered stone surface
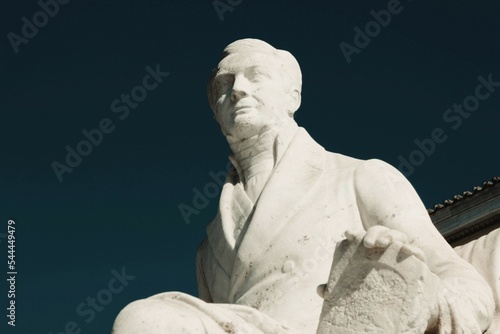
382, 291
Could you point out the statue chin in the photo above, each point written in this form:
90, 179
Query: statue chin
246, 126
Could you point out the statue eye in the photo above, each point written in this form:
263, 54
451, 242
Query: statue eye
259, 75
222, 84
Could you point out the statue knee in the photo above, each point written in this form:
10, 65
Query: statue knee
133, 317
154, 316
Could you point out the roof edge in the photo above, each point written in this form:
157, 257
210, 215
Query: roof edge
466, 194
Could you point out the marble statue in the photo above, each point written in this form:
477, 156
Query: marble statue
305, 240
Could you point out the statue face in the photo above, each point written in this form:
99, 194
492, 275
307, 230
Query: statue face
251, 93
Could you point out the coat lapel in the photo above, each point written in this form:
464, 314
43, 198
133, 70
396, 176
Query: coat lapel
234, 210
294, 176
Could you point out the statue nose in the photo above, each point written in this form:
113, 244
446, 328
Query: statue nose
240, 88
238, 95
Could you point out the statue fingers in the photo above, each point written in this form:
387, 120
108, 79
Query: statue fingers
376, 236
353, 235
321, 289
413, 250
383, 237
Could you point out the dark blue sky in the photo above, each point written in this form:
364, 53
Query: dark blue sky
119, 207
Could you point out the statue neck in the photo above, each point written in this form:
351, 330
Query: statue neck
260, 153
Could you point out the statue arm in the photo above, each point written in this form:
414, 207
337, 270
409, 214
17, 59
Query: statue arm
385, 198
203, 291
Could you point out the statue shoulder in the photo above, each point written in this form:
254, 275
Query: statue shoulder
376, 170
376, 182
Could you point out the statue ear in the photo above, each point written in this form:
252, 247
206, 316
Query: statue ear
294, 102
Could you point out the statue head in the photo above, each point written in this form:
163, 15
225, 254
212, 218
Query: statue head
253, 87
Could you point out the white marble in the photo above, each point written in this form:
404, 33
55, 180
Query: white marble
378, 290
484, 255
283, 210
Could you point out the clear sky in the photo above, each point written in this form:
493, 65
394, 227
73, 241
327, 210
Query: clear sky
380, 93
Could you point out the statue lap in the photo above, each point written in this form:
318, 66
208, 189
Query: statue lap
177, 312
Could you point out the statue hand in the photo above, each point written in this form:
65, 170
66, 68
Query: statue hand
382, 237
376, 286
